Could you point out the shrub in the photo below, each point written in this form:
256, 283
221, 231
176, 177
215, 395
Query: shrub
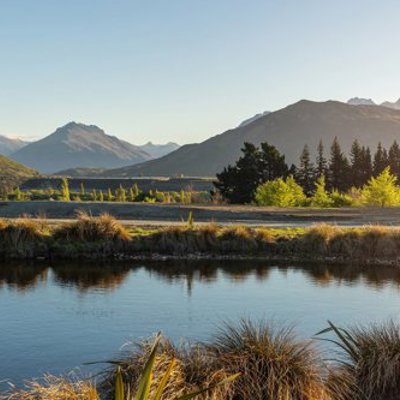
382, 190
280, 193
321, 197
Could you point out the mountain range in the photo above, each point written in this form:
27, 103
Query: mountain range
78, 145
359, 101
10, 145
86, 150
289, 129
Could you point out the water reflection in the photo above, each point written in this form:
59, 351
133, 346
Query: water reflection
27, 276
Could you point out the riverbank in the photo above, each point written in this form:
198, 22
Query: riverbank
104, 237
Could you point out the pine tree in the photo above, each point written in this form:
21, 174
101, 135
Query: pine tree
272, 163
339, 168
394, 159
380, 160
321, 168
65, 194
305, 172
238, 183
356, 161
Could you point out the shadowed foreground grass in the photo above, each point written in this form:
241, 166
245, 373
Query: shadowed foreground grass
272, 361
104, 237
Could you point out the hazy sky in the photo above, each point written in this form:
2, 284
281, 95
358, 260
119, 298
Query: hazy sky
184, 70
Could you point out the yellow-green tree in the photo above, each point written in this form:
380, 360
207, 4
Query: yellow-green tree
101, 196
65, 194
280, 193
321, 197
381, 191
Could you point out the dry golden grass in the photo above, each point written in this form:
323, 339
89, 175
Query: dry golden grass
194, 368
273, 362
55, 388
89, 228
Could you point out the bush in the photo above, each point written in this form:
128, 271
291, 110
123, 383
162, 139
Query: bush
280, 193
321, 197
382, 190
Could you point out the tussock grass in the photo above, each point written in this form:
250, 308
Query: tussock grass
194, 368
23, 237
89, 228
273, 362
55, 388
370, 363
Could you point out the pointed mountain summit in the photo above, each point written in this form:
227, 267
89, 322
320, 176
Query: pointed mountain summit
79, 145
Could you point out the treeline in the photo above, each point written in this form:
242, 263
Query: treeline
337, 173
121, 194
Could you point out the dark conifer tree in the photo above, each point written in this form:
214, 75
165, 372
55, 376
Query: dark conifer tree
380, 160
238, 183
321, 163
339, 168
366, 167
272, 163
305, 173
394, 159
356, 164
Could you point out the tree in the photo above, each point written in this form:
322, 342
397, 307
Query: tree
120, 194
94, 195
280, 193
380, 160
382, 190
18, 196
305, 172
356, 162
101, 196
82, 189
366, 164
109, 195
338, 168
238, 183
321, 167
272, 163
321, 196
394, 159
65, 194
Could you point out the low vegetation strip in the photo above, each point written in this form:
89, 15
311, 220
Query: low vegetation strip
104, 237
244, 361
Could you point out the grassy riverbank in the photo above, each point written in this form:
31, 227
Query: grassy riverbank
104, 237
273, 362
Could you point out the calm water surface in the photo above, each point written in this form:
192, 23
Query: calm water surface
55, 318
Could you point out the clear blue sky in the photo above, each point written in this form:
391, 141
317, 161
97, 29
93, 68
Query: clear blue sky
184, 70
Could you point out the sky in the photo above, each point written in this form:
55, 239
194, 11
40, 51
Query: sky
185, 70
